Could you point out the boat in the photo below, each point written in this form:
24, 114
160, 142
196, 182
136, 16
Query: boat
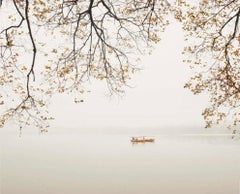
142, 139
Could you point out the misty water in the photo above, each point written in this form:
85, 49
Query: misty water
75, 162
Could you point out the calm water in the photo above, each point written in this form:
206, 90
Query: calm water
77, 163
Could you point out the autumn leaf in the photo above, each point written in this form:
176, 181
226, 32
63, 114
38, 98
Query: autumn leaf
10, 43
54, 51
24, 68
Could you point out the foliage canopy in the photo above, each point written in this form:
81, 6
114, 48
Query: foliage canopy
55, 46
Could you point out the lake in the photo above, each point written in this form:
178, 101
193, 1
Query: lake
74, 162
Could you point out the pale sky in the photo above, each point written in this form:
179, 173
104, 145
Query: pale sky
158, 98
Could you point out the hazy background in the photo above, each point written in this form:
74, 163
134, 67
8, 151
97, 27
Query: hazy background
157, 97
88, 150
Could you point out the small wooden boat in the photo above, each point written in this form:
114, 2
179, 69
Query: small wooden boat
141, 139
150, 140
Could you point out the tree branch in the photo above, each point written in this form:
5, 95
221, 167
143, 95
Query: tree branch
31, 71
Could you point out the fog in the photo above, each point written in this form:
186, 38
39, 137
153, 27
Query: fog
155, 98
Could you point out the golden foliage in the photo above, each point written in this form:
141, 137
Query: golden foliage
211, 29
97, 40
77, 40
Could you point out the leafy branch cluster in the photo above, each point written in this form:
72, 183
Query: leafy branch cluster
49, 47
80, 40
212, 30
